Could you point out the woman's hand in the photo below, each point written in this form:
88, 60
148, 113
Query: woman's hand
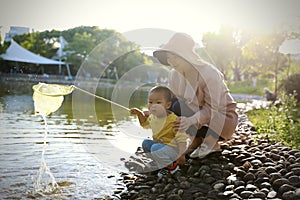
183, 123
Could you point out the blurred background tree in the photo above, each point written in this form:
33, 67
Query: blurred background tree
242, 55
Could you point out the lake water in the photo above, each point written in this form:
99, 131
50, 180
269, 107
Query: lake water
82, 152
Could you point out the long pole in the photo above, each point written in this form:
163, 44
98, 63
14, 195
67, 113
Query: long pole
102, 98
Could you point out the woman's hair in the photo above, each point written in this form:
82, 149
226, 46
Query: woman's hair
168, 94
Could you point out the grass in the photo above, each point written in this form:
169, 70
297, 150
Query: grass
246, 87
279, 123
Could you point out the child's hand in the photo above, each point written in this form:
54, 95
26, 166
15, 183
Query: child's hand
140, 114
135, 111
146, 113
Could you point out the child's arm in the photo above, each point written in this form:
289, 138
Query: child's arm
140, 114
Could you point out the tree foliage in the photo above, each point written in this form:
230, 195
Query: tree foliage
241, 54
238, 53
81, 42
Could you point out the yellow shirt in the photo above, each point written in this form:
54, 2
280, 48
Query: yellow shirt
163, 131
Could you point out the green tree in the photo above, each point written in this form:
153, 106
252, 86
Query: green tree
106, 46
224, 49
2, 49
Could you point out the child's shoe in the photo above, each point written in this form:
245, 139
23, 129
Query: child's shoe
170, 169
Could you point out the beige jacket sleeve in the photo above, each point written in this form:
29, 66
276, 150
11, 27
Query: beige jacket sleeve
209, 98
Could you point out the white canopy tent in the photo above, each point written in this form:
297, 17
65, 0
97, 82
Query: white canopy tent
17, 53
291, 47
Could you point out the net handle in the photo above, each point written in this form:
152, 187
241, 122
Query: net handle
99, 97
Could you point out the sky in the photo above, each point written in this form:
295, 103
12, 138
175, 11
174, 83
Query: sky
190, 16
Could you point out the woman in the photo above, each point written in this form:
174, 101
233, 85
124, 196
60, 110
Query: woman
204, 104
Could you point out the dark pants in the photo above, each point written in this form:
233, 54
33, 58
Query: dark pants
180, 108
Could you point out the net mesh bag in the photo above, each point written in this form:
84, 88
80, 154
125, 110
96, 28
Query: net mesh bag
48, 98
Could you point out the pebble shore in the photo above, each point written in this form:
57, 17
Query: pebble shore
249, 167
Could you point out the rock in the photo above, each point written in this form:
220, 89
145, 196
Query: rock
240, 173
228, 193
297, 193
289, 195
279, 182
219, 187
174, 197
249, 177
265, 185
246, 194
271, 194
270, 170
250, 187
239, 189
285, 188
248, 168
260, 180
168, 187
275, 176
265, 190
239, 183
260, 195
185, 185
296, 171
294, 179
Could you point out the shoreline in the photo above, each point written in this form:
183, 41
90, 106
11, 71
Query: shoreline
249, 167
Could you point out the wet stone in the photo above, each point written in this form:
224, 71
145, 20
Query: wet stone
249, 177
296, 171
289, 195
219, 187
272, 194
270, 170
250, 187
228, 193
295, 165
294, 179
239, 189
285, 188
240, 173
174, 197
260, 195
239, 183
275, 176
279, 182
297, 193
265, 185
185, 185
246, 194
265, 190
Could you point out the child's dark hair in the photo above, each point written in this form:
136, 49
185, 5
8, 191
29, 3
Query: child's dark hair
163, 89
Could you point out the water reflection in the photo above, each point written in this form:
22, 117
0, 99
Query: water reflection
83, 156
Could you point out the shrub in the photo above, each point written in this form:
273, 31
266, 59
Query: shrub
292, 84
279, 123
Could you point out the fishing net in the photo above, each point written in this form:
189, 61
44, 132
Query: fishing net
48, 98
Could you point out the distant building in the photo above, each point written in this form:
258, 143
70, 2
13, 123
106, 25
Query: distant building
15, 30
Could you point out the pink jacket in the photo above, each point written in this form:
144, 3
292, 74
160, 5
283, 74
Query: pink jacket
208, 97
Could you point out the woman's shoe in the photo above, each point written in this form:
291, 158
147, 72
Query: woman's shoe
203, 151
195, 153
